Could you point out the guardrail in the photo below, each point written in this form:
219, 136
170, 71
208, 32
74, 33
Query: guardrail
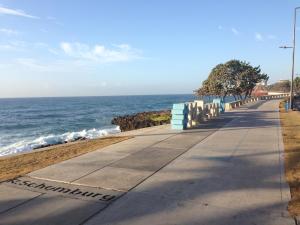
191, 114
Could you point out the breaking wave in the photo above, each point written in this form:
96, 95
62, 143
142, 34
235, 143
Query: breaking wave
28, 145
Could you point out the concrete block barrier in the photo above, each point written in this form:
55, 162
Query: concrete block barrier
179, 113
232, 105
191, 114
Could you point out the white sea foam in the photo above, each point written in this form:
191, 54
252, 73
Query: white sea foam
28, 145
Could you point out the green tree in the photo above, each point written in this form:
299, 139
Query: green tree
248, 78
297, 85
235, 77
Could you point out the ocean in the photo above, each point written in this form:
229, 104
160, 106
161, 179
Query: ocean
29, 123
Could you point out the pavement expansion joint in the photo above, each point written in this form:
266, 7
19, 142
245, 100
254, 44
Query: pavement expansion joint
47, 179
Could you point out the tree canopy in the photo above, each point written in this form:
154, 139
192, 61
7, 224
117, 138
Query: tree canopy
297, 85
235, 77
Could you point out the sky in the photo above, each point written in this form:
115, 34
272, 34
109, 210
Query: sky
137, 47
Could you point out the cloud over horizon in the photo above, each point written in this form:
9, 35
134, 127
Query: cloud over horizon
16, 12
259, 37
100, 53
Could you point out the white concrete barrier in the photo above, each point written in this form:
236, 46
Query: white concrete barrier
235, 104
198, 111
278, 96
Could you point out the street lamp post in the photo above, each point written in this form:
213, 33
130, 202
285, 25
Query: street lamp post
293, 63
293, 59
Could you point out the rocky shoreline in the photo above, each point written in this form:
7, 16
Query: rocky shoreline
142, 120
129, 122
60, 143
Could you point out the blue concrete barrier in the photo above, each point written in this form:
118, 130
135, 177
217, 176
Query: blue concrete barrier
179, 116
179, 122
179, 111
179, 106
221, 104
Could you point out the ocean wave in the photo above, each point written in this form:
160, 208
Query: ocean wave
28, 145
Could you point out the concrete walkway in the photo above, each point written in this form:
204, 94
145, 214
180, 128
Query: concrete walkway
230, 171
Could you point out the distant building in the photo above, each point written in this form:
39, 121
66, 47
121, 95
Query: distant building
283, 81
260, 89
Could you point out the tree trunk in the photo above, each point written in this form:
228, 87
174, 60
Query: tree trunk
250, 92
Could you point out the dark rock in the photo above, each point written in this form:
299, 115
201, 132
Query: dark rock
142, 120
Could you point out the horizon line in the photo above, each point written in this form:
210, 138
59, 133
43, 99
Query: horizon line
82, 96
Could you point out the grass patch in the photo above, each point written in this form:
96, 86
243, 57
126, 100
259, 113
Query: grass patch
14, 166
160, 117
290, 122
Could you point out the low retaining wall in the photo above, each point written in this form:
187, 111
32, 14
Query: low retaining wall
236, 104
191, 114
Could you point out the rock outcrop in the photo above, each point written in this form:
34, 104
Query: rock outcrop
142, 120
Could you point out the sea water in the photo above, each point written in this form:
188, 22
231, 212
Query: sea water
29, 123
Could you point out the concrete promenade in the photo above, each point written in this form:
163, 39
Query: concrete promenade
227, 172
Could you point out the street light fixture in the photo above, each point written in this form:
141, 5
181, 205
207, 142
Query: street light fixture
293, 58
285, 47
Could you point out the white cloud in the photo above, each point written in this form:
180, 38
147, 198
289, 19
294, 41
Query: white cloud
258, 37
28, 47
38, 65
67, 48
235, 31
8, 31
7, 47
13, 46
100, 53
43, 46
32, 64
16, 45
16, 12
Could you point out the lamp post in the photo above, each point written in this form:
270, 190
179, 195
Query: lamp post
293, 58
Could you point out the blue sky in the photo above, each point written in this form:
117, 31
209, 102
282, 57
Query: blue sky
127, 47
